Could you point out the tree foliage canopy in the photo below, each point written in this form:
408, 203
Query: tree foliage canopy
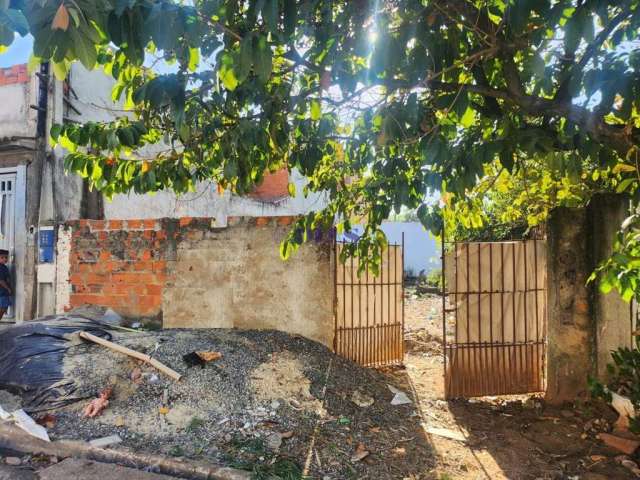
375, 101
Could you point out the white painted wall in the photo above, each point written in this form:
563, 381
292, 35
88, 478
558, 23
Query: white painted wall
206, 202
421, 251
17, 119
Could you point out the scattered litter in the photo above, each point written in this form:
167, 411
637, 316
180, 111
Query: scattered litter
105, 441
625, 409
136, 375
136, 325
119, 421
629, 464
625, 445
360, 453
273, 441
132, 353
598, 458
400, 398
13, 461
209, 356
47, 421
400, 451
344, 420
286, 435
152, 378
194, 360
111, 317
97, 405
446, 433
26, 423
361, 400
163, 410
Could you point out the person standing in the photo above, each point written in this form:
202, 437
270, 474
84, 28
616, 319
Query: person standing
6, 291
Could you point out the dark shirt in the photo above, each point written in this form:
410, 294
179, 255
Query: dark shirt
6, 276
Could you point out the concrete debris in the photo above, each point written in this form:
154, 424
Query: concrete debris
361, 400
625, 409
105, 441
13, 461
400, 398
624, 445
273, 441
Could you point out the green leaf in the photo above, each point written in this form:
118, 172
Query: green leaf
468, 118
243, 61
194, 59
228, 78
625, 184
262, 58
316, 110
270, 15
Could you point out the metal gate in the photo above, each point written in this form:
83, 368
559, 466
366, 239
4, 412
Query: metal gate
369, 310
495, 342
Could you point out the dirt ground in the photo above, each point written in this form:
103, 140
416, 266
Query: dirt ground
517, 437
285, 407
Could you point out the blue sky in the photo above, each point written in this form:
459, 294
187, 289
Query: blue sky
18, 52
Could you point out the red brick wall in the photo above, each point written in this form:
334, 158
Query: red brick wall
119, 264
14, 74
274, 186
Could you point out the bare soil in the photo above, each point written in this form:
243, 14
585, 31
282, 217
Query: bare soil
516, 437
282, 407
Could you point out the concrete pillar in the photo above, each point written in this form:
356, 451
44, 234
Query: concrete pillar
570, 331
612, 315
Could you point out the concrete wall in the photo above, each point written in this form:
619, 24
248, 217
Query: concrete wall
206, 202
17, 93
612, 315
570, 329
584, 325
190, 272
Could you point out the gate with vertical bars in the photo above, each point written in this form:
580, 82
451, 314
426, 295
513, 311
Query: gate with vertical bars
369, 309
494, 334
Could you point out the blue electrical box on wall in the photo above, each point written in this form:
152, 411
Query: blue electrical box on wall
45, 244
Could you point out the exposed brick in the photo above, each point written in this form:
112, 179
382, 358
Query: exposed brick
115, 224
288, 220
262, 221
185, 221
153, 289
14, 74
149, 224
96, 225
274, 186
133, 224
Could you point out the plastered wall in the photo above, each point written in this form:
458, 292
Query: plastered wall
192, 273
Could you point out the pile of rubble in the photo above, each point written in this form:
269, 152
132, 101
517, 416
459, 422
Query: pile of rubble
251, 400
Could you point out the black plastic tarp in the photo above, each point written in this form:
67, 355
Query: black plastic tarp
32, 359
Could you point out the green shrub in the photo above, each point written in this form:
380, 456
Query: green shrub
625, 379
434, 278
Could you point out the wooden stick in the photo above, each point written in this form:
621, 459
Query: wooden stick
132, 353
